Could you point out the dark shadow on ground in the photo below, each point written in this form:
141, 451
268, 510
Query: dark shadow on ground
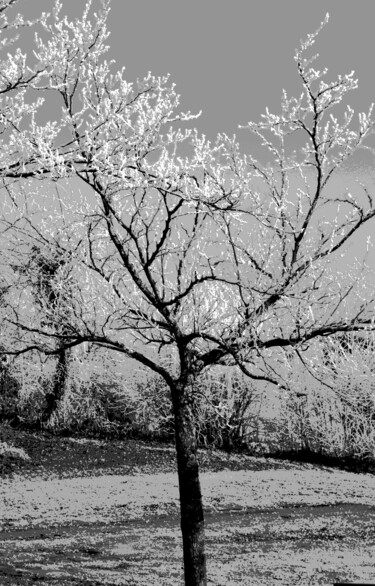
348, 463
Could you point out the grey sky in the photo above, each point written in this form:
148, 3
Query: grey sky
230, 59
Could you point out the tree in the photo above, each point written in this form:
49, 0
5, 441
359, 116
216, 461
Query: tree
209, 256
44, 271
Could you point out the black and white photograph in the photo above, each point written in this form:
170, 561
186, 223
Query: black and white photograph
187, 293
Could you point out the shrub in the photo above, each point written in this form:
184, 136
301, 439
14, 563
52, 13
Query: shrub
322, 422
226, 409
11, 456
9, 395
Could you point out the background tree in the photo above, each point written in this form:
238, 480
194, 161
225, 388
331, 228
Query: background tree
209, 255
46, 272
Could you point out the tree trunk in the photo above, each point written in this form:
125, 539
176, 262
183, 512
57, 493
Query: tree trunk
192, 519
54, 397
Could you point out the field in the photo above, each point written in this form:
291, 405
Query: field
90, 512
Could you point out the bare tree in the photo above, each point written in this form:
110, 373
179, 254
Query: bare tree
210, 256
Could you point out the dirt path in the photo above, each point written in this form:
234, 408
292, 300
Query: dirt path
306, 545
263, 528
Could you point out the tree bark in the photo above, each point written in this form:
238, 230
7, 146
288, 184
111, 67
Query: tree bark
54, 397
192, 518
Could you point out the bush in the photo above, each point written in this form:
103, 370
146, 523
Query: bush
23, 386
11, 456
226, 409
323, 423
9, 395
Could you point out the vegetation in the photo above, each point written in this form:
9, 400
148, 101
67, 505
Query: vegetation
314, 421
179, 255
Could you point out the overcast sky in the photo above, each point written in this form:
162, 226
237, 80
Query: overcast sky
230, 59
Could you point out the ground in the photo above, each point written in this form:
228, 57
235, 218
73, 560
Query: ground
90, 512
